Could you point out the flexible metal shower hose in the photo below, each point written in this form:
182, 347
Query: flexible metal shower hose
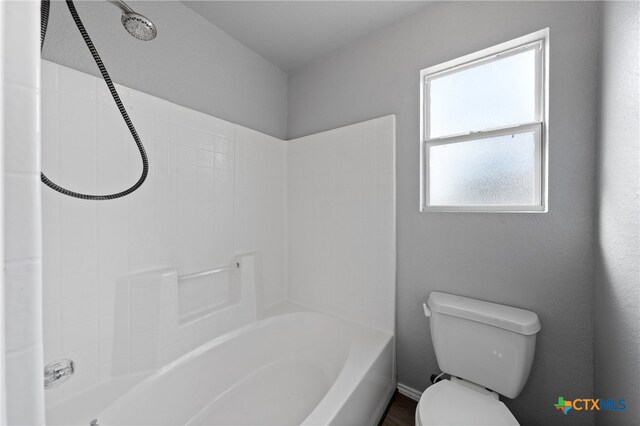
44, 20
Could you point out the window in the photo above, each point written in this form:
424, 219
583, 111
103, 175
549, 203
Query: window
483, 130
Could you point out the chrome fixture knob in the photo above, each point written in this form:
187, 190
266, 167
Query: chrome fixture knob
58, 372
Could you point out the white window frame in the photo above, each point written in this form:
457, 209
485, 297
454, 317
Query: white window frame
538, 40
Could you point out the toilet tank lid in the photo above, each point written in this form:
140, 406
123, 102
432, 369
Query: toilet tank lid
506, 317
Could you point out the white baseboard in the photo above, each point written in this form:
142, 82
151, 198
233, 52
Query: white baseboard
409, 392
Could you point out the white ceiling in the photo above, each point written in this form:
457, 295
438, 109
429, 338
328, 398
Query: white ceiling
291, 34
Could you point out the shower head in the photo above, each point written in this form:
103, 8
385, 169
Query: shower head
137, 25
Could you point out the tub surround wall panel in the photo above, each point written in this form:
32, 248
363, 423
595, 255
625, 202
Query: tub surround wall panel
21, 389
261, 171
617, 285
191, 62
540, 262
341, 213
185, 216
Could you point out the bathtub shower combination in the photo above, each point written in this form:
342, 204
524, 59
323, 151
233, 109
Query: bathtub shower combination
249, 280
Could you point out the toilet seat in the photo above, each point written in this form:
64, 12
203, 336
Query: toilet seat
448, 403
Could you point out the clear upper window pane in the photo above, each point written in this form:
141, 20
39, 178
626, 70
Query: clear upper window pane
493, 171
497, 93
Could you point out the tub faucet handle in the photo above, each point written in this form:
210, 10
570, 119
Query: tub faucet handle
58, 372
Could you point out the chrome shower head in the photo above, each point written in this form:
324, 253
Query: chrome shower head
137, 25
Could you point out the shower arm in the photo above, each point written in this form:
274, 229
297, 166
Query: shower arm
121, 5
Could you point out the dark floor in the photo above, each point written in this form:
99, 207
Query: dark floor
401, 412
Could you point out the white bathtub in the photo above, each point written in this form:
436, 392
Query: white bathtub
295, 368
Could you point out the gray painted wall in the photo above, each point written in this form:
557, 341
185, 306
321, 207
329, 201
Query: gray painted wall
617, 283
542, 262
192, 62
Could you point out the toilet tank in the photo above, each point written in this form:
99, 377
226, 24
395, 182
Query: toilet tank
486, 343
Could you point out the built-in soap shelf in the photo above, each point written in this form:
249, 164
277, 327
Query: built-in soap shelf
205, 292
234, 292
156, 330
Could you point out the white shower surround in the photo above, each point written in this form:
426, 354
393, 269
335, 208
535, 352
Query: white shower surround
188, 215
215, 190
341, 215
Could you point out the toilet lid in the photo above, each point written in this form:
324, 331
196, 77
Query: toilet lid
447, 403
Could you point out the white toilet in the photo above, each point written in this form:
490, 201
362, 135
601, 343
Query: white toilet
488, 351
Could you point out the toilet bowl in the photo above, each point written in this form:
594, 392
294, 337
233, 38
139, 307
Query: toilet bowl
487, 349
451, 403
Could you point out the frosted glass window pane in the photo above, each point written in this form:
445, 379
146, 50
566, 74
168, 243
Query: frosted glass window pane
498, 170
497, 93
